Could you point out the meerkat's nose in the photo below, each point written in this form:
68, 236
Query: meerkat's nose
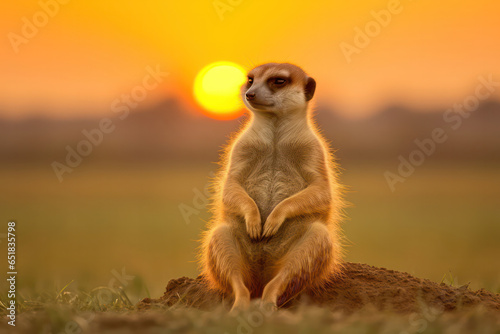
250, 95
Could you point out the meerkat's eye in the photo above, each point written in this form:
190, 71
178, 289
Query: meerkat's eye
250, 81
279, 81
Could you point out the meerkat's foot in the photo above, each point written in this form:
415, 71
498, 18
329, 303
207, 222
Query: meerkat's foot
240, 304
271, 293
267, 307
241, 295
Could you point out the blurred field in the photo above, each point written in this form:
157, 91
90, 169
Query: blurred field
442, 221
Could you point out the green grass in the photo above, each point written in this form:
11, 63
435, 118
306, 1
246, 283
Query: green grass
103, 220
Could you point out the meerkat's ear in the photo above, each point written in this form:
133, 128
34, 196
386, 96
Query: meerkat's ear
310, 88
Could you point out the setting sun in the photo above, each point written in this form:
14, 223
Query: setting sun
217, 88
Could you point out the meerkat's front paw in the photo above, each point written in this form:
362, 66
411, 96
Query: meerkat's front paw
254, 226
273, 223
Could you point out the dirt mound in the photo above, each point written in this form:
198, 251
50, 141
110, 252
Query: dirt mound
358, 287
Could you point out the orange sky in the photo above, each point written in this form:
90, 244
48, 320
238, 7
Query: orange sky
90, 52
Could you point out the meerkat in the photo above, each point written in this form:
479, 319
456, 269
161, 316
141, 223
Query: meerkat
277, 201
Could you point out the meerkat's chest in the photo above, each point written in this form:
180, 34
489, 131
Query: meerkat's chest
274, 173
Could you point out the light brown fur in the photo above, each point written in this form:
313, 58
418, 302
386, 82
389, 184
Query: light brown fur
277, 202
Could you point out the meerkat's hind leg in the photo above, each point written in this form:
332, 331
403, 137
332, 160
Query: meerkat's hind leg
226, 264
311, 259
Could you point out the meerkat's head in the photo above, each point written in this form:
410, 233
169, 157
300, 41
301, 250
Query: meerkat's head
277, 88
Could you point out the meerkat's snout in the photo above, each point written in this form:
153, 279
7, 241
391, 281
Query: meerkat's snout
277, 87
250, 95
